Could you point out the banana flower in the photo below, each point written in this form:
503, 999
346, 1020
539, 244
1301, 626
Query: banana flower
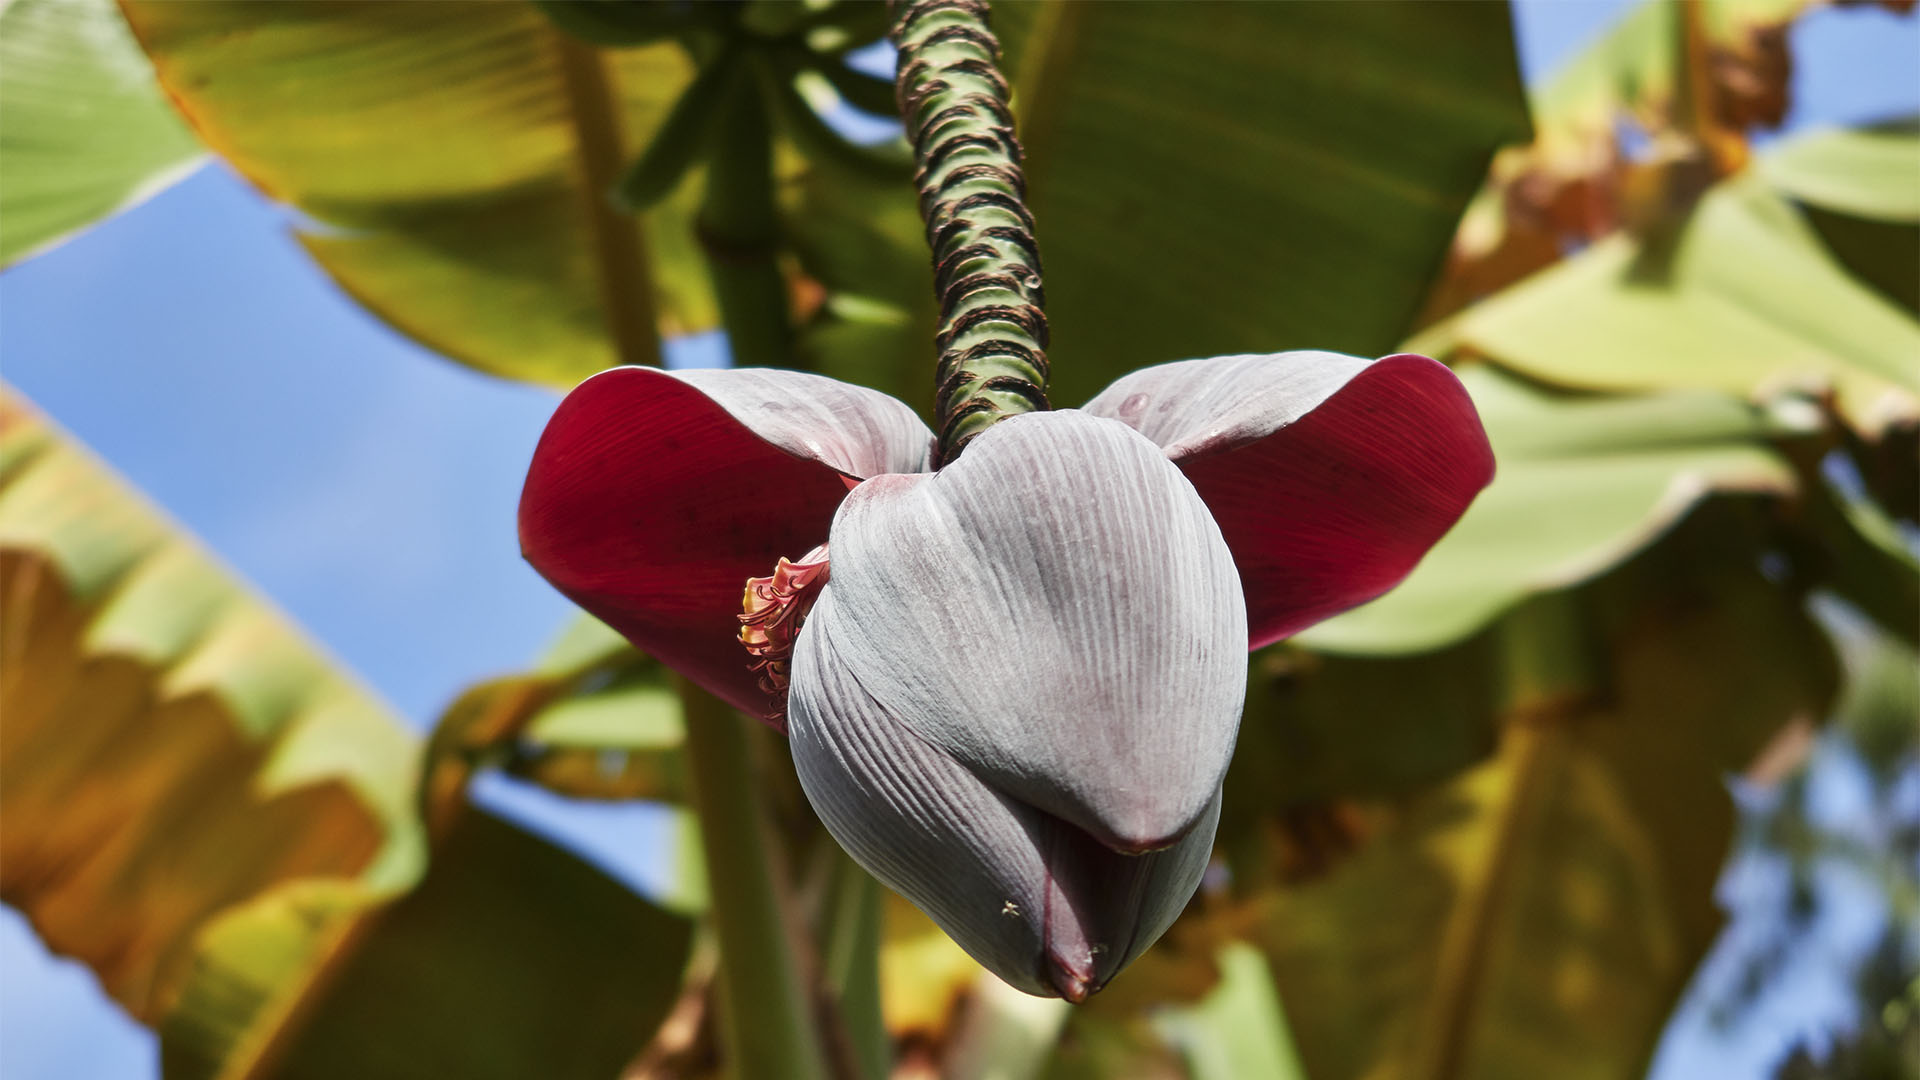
1012, 686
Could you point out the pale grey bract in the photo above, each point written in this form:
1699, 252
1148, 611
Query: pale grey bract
1012, 677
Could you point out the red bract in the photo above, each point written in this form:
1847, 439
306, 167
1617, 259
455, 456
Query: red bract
1019, 690
653, 496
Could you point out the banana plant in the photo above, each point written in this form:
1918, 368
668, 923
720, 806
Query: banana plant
1639, 414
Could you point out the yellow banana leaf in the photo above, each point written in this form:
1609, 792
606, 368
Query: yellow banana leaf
171, 745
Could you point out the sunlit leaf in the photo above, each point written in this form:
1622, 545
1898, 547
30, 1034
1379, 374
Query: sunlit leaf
88, 132
1871, 172
201, 809
1861, 191
511, 959
285, 986
438, 143
635, 710
1582, 483
592, 719
450, 160
1748, 302
171, 745
248, 974
1884, 255
1279, 221
924, 976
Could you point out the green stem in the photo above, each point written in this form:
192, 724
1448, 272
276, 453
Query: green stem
740, 227
1550, 661
850, 961
620, 260
1692, 88
986, 266
766, 1014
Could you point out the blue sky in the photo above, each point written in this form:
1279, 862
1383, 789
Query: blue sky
368, 487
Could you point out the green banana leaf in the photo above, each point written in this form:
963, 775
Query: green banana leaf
862, 239
1871, 172
1860, 189
1227, 177
453, 163
88, 133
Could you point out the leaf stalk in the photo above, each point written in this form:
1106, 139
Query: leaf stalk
620, 260
766, 1015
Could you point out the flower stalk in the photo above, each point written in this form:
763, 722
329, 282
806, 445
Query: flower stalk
992, 339
765, 1013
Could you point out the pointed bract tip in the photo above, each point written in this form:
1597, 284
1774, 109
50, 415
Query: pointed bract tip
1073, 981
